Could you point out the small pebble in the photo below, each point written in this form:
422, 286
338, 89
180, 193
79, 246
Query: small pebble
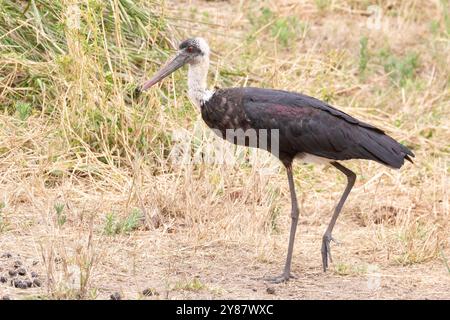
29, 283
17, 264
3, 279
22, 271
270, 290
12, 273
6, 255
37, 283
115, 296
34, 274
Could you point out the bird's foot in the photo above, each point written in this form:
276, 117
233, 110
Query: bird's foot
326, 251
284, 277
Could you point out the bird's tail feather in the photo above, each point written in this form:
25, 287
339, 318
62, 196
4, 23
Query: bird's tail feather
386, 150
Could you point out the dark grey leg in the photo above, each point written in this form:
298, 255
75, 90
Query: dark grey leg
294, 221
351, 178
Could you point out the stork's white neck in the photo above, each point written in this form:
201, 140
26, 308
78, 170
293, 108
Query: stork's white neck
197, 76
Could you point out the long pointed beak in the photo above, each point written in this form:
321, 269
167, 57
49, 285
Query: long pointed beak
174, 64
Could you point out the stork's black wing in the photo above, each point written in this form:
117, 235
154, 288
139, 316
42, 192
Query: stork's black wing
309, 125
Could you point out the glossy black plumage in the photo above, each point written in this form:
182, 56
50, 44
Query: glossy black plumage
288, 125
305, 124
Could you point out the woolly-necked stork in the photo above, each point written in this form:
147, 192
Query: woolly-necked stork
307, 129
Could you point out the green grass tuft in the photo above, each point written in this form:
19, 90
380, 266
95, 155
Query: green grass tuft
363, 55
193, 285
61, 217
401, 69
114, 225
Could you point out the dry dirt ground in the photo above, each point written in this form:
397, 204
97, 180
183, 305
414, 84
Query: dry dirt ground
198, 241
201, 261
172, 267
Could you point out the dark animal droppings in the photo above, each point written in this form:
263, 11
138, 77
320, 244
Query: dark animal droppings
17, 264
115, 296
6, 298
6, 255
12, 273
3, 279
34, 274
37, 283
22, 271
270, 290
19, 284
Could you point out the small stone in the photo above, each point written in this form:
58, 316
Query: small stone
29, 283
34, 274
12, 273
6, 297
254, 290
37, 283
6, 255
22, 271
270, 290
17, 264
3, 279
115, 296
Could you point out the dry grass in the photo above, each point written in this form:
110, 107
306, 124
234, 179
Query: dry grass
89, 191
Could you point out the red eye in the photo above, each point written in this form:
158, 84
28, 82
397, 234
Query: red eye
190, 49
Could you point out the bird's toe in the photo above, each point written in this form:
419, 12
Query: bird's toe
326, 250
281, 278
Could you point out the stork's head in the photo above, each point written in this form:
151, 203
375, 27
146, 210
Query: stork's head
191, 51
